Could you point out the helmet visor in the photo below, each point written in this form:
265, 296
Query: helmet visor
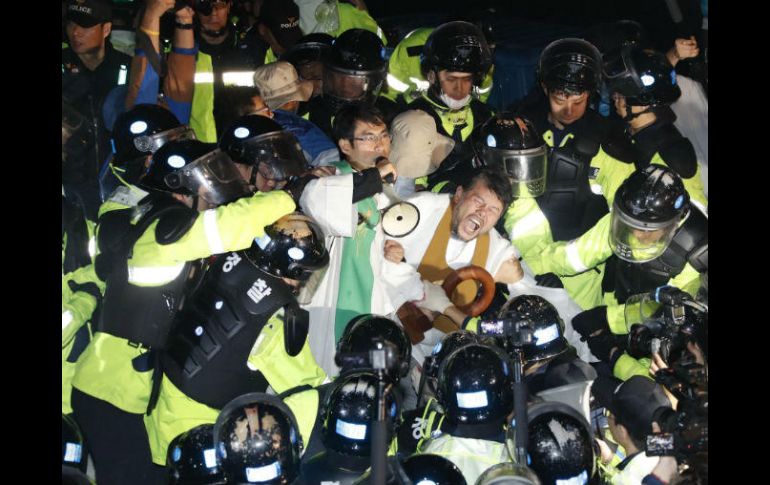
213, 177
151, 143
526, 169
277, 155
619, 75
638, 242
352, 85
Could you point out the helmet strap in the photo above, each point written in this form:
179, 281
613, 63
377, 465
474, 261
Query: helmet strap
630, 116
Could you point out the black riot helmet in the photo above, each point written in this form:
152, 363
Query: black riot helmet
446, 346
348, 411
544, 321
508, 473
310, 48
457, 47
610, 37
560, 447
191, 167
432, 469
355, 70
73, 449
292, 247
513, 145
257, 439
642, 76
646, 212
142, 130
192, 458
362, 331
260, 142
571, 65
475, 385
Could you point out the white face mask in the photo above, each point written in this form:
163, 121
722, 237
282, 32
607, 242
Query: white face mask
453, 103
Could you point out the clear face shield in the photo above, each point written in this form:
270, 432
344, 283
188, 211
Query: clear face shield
526, 169
618, 75
277, 155
638, 242
352, 86
151, 143
213, 177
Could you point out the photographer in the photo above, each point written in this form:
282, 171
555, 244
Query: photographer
633, 405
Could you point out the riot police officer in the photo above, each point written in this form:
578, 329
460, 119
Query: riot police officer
475, 390
353, 73
265, 155
241, 331
148, 256
346, 429
257, 439
454, 60
643, 85
657, 238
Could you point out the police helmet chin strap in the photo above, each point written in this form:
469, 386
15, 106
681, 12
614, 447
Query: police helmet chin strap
630, 116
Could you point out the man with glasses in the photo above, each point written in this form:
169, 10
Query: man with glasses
347, 205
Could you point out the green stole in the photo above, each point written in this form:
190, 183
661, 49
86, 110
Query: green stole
354, 295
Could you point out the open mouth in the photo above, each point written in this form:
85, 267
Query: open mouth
473, 224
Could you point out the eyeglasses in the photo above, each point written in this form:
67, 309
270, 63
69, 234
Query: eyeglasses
374, 138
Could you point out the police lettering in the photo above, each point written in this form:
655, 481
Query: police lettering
231, 260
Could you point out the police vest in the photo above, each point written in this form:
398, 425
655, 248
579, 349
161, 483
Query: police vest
458, 125
206, 357
141, 314
568, 203
689, 245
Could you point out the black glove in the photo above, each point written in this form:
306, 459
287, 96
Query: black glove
589, 321
549, 280
296, 185
601, 345
89, 288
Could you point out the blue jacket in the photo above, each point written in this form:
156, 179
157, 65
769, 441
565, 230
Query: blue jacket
320, 149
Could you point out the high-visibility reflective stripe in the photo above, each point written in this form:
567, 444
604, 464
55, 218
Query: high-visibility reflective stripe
238, 78
422, 84
92, 247
66, 319
597, 189
211, 229
155, 275
380, 34
574, 257
527, 223
396, 84
122, 75
485, 90
204, 78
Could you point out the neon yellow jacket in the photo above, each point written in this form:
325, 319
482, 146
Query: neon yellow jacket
105, 369
352, 18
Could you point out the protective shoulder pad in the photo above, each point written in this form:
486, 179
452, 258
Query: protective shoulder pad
174, 223
586, 145
679, 155
113, 228
617, 145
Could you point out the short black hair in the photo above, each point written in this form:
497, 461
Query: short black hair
495, 180
344, 125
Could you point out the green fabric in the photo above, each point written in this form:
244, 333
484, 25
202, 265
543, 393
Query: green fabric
77, 308
202, 114
453, 119
405, 68
270, 56
352, 18
354, 295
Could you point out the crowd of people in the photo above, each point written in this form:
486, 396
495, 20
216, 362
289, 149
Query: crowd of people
294, 255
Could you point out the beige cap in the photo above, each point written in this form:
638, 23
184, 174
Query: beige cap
417, 148
279, 84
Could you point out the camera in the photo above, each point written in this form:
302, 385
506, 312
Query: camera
384, 356
684, 431
669, 319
